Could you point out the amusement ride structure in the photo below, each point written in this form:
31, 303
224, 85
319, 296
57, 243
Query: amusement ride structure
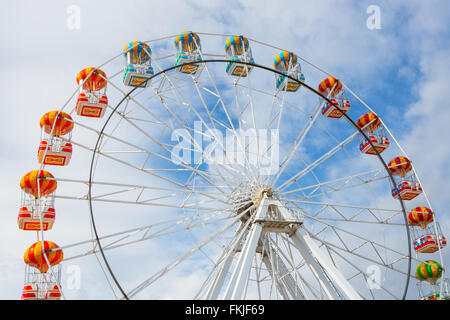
234, 161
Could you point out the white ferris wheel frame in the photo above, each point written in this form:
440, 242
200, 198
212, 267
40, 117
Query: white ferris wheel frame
326, 273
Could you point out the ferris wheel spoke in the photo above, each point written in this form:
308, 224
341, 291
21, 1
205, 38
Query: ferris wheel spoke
317, 162
325, 130
255, 126
364, 241
160, 144
297, 143
185, 190
137, 235
176, 262
336, 220
168, 205
344, 186
201, 174
233, 129
299, 139
206, 215
343, 205
365, 276
368, 212
214, 129
275, 99
150, 172
138, 150
276, 143
217, 140
339, 184
251, 139
300, 159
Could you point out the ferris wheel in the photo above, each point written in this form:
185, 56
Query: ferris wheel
228, 168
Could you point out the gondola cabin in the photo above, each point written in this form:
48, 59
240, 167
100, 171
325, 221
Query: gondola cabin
30, 220
138, 67
55, 147
91, 106
55, 154
38, 187
329, 110
407, 190
380, 144
237, 50
287, 63
189, 59
331, 88
92, 100
429, 244
370, 123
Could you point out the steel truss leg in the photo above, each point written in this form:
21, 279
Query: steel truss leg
282, 282
217, 284
319, 263
283, 279
269, 261
238, 282
323, 269
239, 278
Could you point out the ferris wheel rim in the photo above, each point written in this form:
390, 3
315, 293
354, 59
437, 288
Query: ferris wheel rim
205, 61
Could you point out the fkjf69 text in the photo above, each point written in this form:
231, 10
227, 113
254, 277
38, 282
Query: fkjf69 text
245, 309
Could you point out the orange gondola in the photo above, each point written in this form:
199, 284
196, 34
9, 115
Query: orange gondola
92, 100
327, 84
55, 147
38, 183
237, 50
331, 88
138, 70
93, 79
400, 166
40, 257
370, 123
189, 51
287, 63
59, 121
420, 216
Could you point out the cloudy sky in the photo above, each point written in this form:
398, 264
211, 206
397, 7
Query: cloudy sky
400, 69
